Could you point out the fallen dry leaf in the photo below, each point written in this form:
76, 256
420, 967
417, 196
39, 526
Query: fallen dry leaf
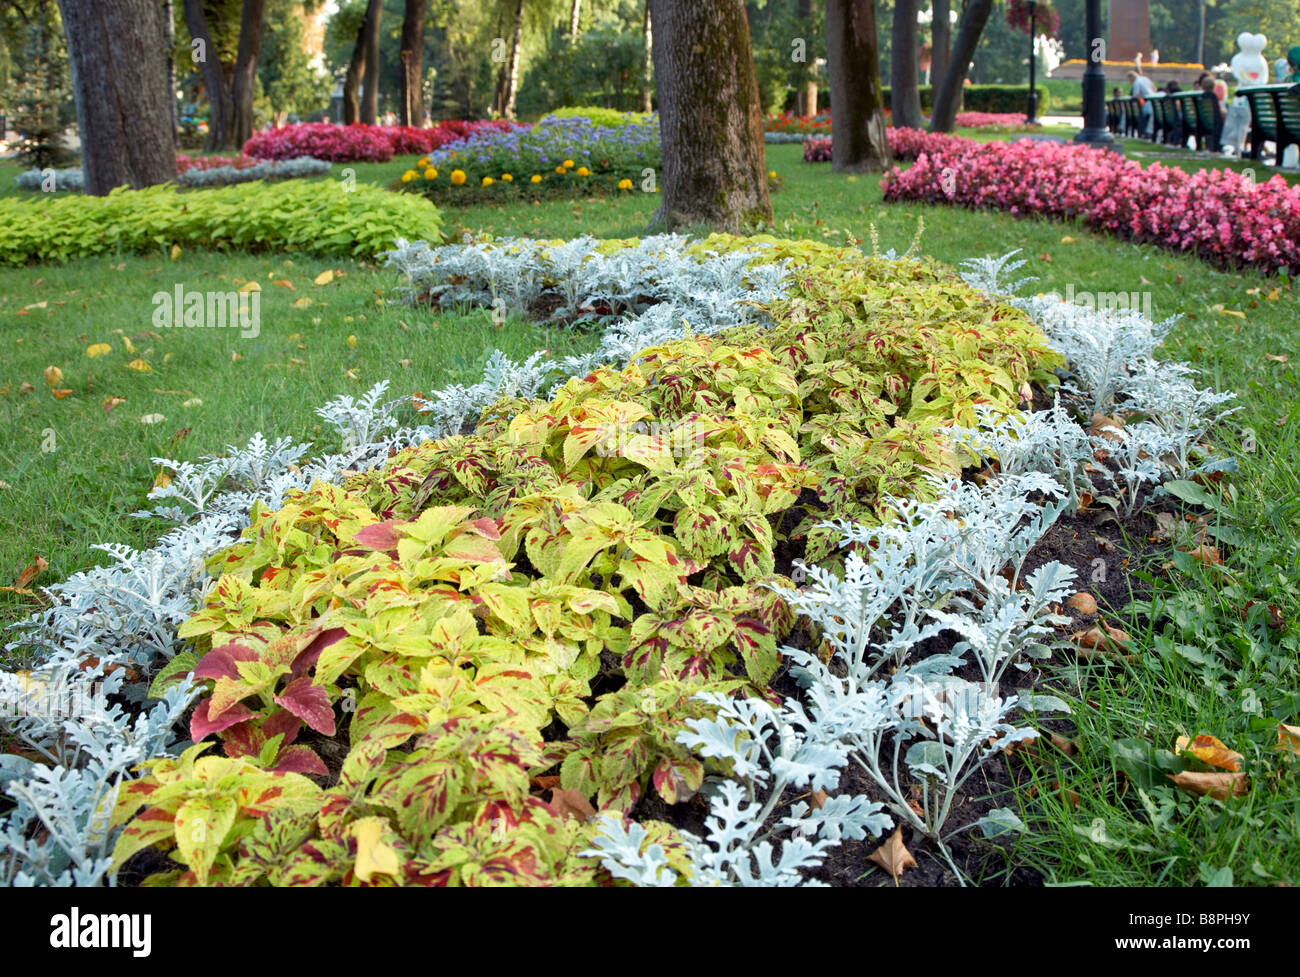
1276, 357
1068, 747
1069, 796
1288, 738
1067, 239
1209, 749
60, 392
111, 402
152, 419
284, 283
1217, 785
140, 366
1166, 523
324, 278
25, 388
1083, 602
250, 286
571, 803
817, 799
1103, 637
1207, 554
176, 251
52, 375
892, 856
192, 402
98, 349
302, 303
235, 356
1100, 422
37, 567
130, 346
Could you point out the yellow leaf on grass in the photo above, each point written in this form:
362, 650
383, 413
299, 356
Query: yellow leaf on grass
130, 346
352, 342
284, 283
192, 402
111, 402
52, 376
98, 349
1288, 738
34, 570
250, 286
301, 303
1069, 240
1217, 785
140, 366
1209, 750
324, 278
176, 251
373, 856
892, 856
60, 392
152, 419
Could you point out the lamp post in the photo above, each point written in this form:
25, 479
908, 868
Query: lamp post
1033, 91
1094, 132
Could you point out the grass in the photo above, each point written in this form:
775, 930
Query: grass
1201, 667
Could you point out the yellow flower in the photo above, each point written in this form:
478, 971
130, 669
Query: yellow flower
424, 162
625, 184
457, 178
488, 181
408, 176
535, 178
771, 174
507, 178
568, 164
561, 170
583, 171
431, 174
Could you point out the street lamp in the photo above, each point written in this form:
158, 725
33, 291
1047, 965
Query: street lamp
1094, 132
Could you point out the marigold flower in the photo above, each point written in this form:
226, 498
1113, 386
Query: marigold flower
457, 178
536, 178
488, 181
408, 176
625, 184
431, 174
583, 171
507, 178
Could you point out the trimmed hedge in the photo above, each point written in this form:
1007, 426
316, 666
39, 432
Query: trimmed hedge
318, 216
989, 98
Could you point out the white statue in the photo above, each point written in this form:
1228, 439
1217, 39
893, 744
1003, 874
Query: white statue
1250, 68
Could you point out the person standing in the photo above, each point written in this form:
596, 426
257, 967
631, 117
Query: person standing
1142, 89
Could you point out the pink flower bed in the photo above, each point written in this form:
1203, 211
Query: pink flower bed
1216, 214
184, 162
991, 120
905, 144
358, 142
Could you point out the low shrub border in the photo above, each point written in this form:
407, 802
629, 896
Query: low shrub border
302, 216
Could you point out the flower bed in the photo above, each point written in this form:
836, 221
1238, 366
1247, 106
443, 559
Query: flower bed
185, 163
904, 144
999, 121
559, 156
803, 125
1217, 214
361, 143
621, 534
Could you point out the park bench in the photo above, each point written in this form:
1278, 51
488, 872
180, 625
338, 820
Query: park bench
1274, 117
1201, 116
1114, 115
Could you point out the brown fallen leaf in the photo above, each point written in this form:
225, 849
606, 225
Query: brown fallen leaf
1217, 785
1288, 738
1166, 523
283, 283
1209, 749
549, 782
37, 567
571, 803
1276, 357
892, 856
1103, 636
1069, 796
111, 402
817, 799
1083, 602
1209, 555
25, 388
61, 392
1099, 424
52, 375
1068, 747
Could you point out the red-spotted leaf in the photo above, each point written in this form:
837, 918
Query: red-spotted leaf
677, 780
310, 703
308, 657
220, 662
299, 759
201, 727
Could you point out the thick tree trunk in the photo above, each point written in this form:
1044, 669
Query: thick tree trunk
245, 82
940, 41
905, 96
413, 62
648, 70
947, 97
119, 76
575, 17
370, 97
710, 122
352, 80
857, 116
221, 107
510, 89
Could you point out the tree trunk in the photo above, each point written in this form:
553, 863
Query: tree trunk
169, 52
648, 71
947, 97
119, 76
250, 49
1200, 32
510, 88
905, 96
370, 96
221, 107
940, 42
857, 119
806, 89
710, 121
352, 80
575, 16
413, 62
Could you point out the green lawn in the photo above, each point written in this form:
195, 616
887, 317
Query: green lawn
1205, 665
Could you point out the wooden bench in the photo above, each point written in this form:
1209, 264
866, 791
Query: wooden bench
1201, 117
1274, 117
1114, 116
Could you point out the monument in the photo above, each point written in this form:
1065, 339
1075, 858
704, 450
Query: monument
1128, 30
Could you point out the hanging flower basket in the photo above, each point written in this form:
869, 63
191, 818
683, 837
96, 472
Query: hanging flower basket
1045, 18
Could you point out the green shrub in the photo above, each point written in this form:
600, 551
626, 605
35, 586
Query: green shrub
321, 217
607, 118
989, 98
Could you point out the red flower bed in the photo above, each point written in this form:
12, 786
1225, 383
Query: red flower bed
358, 142
991, 120
184, 162
905, 144
1218, 215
